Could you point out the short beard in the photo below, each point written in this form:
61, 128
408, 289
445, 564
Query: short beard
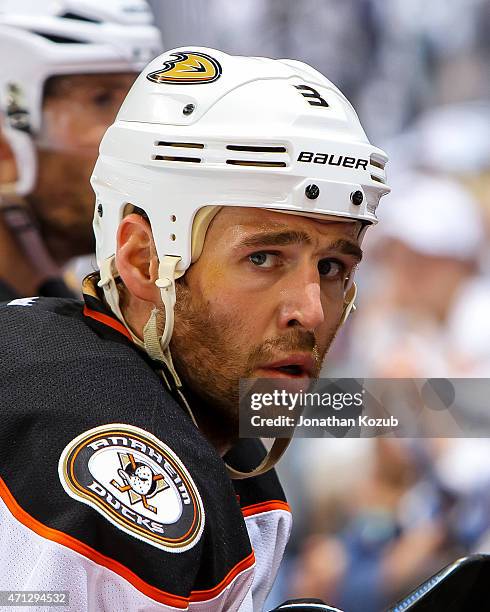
210, 356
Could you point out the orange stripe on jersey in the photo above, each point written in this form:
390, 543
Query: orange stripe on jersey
107, 320
228, 579
267, 506
70, 542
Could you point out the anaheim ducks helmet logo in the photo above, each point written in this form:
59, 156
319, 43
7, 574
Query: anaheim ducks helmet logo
188, 68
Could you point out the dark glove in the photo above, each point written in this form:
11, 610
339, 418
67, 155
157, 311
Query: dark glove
304, 605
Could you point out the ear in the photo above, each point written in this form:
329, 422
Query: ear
8, 167
136, 258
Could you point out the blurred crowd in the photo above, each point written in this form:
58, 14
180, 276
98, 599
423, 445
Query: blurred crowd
373, 517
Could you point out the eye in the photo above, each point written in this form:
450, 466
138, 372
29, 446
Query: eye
262, 259
103, 99
330, 268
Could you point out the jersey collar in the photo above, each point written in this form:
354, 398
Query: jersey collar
95, 308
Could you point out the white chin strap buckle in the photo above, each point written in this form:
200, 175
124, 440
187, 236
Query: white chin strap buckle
166, 284
163, 283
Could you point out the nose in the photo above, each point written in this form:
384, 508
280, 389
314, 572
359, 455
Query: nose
302, 304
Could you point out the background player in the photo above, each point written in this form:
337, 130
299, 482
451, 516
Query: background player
69, 66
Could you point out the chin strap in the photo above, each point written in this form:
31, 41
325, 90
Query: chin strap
154, 343
276, 451
349, 305
280, 445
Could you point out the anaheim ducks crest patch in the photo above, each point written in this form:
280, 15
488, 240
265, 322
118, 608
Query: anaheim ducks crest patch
188, 68
136, 482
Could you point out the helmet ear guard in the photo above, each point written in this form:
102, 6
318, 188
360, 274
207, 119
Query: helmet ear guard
25, 157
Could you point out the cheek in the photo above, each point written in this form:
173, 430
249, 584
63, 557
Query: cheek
231, 306
66, 172
332, 298
333, 308
244, 314
89, 139
56, 128
70, 127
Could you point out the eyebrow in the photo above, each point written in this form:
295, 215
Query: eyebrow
281, 238
288, 237
347, 247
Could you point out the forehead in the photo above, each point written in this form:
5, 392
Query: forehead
239, 221
79, 85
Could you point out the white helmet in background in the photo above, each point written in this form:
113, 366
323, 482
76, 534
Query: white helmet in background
201, 129
44, 38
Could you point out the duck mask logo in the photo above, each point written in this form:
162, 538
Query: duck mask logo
137, 483
188, 68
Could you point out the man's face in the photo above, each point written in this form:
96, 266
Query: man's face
76, 112
264, 299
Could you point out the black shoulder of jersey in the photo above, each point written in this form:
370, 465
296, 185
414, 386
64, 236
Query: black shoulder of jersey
245, 456
6, 292
62, 377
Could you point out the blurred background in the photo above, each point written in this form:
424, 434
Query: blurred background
374, 517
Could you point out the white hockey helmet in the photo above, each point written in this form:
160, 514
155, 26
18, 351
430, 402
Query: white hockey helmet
201, 129
40, 39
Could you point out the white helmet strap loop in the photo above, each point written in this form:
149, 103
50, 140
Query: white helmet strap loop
166, 284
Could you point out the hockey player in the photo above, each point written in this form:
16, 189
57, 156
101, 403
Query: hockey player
65, 69
232, 195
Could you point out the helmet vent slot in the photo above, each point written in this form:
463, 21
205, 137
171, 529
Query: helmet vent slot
377, 163
174, 158
59, 39
260, 164
266, 152
77, 17
378, 175
183, 145
254, 149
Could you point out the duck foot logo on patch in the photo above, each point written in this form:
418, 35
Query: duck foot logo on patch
141, 482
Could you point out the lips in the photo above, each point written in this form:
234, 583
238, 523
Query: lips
300, 365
